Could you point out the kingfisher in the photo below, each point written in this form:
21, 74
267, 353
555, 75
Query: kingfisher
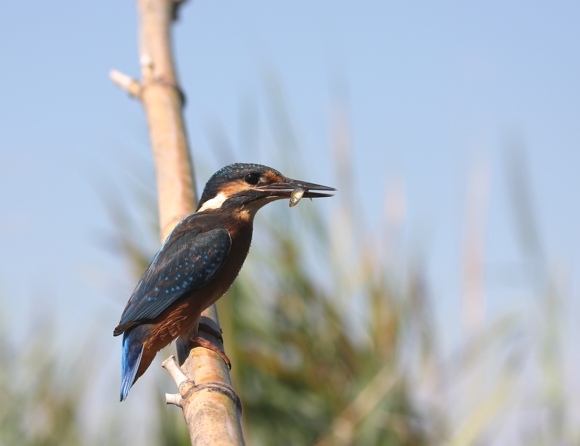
198, 262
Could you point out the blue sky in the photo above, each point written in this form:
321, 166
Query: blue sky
430, 87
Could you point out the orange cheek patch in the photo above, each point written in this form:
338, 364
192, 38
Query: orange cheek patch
234, 188
272, 177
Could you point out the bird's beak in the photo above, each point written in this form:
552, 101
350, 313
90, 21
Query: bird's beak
284, 189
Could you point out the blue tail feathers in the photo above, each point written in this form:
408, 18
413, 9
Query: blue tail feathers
132, 353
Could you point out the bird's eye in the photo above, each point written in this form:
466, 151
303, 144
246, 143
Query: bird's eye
252, 178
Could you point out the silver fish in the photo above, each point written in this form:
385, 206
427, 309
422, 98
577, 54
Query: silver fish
296, 196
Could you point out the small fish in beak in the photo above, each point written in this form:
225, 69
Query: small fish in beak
296, 196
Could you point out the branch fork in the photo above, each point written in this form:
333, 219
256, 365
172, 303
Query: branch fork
187, 386
132, 86
184, 384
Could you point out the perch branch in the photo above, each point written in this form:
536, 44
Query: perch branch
210, 406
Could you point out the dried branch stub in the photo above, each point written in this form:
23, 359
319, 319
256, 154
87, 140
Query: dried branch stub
170, 364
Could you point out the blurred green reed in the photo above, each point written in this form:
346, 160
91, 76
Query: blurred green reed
40, 398
332, 341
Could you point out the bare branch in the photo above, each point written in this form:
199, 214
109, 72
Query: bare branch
174, 398
170, 364
210, 406
163, 101
127, 83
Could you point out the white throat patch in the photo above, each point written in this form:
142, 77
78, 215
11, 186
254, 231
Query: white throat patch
215, 203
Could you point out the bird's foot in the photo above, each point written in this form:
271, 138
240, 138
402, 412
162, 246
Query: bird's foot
202, 342
212, 331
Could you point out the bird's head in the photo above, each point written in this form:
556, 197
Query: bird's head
247, 187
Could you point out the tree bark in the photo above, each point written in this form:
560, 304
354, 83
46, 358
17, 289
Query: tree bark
210, 406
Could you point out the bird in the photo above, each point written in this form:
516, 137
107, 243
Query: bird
198, 262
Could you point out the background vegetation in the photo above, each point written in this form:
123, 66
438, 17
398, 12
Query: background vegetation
333, 339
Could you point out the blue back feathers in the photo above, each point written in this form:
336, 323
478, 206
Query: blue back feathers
186, 264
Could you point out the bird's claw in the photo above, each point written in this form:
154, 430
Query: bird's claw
202, 342
212, 331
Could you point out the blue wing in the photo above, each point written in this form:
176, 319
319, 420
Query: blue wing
184, 265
